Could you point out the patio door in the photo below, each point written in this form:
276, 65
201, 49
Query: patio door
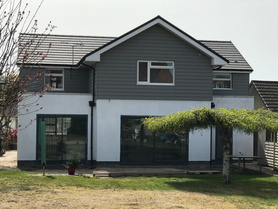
140, 145
65, 137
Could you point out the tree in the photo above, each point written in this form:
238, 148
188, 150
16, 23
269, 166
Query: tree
249, 121
15, 20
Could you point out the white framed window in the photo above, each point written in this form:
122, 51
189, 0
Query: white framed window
155, 73
222, 81
54, 80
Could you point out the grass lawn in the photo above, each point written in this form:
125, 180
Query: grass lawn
245, 191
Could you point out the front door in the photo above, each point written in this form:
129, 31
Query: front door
140, 145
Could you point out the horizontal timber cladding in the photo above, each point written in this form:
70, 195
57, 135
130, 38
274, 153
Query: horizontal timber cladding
75, 80
240, 86
34, 79
116, 74
270, 154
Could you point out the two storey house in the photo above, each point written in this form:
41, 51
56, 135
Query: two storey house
101, 88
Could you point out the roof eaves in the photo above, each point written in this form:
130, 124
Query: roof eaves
234, 70
95, 55
48, 65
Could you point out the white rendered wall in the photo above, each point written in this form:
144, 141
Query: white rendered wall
58, 103
107, 120
108, 125
234, 102
242, 142
199, 145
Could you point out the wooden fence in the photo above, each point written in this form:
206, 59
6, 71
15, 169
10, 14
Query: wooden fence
271, 154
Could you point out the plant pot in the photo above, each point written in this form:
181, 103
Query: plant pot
71, 171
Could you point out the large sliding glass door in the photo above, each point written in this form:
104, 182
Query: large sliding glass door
66, 136
140, 145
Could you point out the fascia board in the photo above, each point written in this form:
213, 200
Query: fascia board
215, 60
232, 71
96, 56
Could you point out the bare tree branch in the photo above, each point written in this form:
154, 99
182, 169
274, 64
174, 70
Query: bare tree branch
19, 52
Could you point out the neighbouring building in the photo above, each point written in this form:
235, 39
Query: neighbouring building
265, 143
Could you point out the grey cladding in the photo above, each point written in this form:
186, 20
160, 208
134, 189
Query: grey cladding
240, 86
116, 74
75, 81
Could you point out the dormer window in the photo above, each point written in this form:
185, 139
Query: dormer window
155, 73
222, 81
54, 79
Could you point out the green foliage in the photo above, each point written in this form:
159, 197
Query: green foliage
73, 163
189, 120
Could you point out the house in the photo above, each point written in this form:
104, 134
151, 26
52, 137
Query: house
265, 95
100, 88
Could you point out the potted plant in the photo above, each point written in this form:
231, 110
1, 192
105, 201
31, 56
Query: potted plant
72, 164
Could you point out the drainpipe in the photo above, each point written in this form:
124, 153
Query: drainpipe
92, 104
274, 157
212, 105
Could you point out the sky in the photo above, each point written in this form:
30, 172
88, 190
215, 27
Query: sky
252, 25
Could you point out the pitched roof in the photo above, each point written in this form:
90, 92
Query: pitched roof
268, 91
228, 50
216, 59
61, 50
66, 50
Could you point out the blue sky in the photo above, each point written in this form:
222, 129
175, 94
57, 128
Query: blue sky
252, 25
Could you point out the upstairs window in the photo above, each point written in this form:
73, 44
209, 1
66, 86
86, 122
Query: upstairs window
222, 81
155, 73
54, 79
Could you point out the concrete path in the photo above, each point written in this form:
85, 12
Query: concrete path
9, 159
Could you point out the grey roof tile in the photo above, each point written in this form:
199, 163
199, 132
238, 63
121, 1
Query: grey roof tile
60, 49
68, 50
268, 90
228, 50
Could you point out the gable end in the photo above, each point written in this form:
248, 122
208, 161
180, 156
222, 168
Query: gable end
216, 59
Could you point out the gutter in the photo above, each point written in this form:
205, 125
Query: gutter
92, 104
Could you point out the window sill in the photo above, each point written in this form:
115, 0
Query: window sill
222, 89
56, 90
155, 84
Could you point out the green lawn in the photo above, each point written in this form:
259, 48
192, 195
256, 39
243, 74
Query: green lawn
257, 190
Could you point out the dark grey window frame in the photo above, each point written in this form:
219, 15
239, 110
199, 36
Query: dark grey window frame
58, 116
156, 154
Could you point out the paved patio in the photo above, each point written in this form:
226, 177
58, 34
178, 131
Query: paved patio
9, 161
